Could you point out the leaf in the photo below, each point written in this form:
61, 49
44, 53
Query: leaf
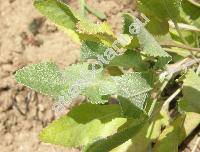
79, 80
129, 110
148, 133
163, 9
191, 122
136, 137
130, 59
191, 93
175, 133
76, 26
60, 14
149, 45
61, 84
107, 144
157, 27
83, 124
91, 50
100, 32
169, 139
133, 87
190, 9
44, 77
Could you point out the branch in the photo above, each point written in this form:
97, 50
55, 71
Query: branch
172, 44
186, 27
180, 66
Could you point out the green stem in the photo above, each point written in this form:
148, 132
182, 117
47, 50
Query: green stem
179, 32
158, 96
167, 102
96, 13
82, 7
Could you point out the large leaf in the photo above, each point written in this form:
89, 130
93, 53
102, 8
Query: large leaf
109, 143
163, 9
191, 93
176, 132
169, 139
133, 87
83, 125
148, 44
157, 27
79, 80
68, 20
159, 12
91, 50
62, 84
130, 110
137, 137
60, 14
44, 77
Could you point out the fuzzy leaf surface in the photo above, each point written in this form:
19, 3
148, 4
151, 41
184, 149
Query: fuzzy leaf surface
149, 45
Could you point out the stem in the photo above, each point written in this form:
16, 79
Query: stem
179, 66
172, 44
82, 7
185, 27
167, 102
158, 96
96, 13
179, 32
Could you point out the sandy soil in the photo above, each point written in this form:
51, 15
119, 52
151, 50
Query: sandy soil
23, 113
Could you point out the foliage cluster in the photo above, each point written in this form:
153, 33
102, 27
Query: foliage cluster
154, 83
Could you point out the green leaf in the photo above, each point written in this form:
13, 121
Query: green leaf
44, 77
149, 132
90, 50
129, 110
61, 84
133, 87
136, 137
83, 125
169, 139
60, 14
129, 59
100, 32
163, 9
176, 132
191, 122
157, 27
76, 26
79, 80
190, 9
191, 93
149, 45
107, 144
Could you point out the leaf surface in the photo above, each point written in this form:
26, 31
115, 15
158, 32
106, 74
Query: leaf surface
149, 45
191, 93
83, 124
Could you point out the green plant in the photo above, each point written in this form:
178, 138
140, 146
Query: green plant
164, 70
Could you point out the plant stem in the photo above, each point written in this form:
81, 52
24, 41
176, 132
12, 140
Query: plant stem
158, 96
96, 13
179, 32
167, 102
185, 27
181, 65
82, 7
172, 44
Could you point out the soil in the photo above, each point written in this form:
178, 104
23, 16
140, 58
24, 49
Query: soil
26, 37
